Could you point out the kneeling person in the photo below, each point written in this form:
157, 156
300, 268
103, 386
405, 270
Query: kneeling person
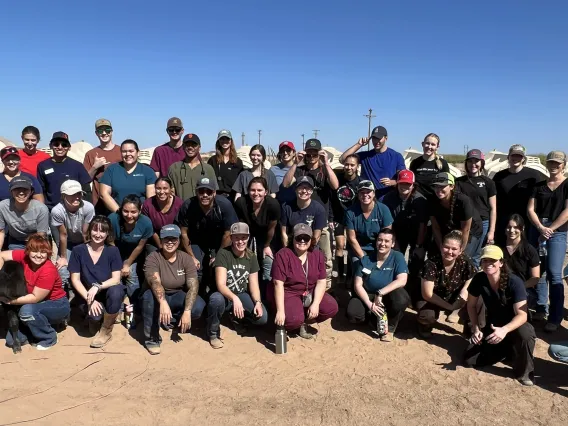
236, 275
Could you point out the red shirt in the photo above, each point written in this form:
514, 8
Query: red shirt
287, 267
45, 277
28, 163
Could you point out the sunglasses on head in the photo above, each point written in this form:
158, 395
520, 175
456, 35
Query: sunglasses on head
103, 130
303, 238
205, 191
174, 129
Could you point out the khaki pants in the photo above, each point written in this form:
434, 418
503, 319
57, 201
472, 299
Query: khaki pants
325, 246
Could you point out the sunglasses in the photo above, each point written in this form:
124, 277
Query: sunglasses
303, 239
171, 240
60, 144
174, 129
103, 130
205, 191
311, 155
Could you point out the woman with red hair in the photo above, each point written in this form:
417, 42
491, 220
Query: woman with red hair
46, 303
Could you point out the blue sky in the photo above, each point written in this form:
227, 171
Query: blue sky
484, 74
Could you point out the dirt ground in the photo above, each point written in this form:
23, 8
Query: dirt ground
344, 376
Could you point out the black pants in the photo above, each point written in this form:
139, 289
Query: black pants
395, 303
519, 344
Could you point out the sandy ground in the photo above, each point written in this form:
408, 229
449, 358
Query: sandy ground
344, 376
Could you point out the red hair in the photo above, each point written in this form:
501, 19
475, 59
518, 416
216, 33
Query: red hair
38, 243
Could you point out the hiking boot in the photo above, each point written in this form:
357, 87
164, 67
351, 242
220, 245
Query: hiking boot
305, 333
425, 331
105, 333
94, 326
550, 328
153, 348
389, 337
216, 343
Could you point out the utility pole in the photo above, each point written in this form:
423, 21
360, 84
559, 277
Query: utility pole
259, 133
316, 133
303, 142
370, 116
243, 139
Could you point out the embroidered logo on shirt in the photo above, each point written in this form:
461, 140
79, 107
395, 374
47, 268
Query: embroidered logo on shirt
180, 272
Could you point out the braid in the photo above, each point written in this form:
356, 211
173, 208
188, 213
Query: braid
453, 204
504, 278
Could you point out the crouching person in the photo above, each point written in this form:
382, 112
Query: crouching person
507, 333
236, 275
379, 287
95, 275
46, 303
172, 297
445, 280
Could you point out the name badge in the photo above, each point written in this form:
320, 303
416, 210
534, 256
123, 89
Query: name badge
48, 171
366, 271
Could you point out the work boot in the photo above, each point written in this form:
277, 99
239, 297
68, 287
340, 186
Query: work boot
105, 333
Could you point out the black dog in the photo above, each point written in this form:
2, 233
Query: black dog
12, 286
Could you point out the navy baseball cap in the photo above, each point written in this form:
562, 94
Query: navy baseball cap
170, 231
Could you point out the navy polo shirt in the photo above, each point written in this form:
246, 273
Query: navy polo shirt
367, 230
314, 215
127, 241
123, 183
5, 185
52, 174
81, 262
379, 278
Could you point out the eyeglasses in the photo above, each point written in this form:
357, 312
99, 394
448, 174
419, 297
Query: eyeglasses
60, 144
302, 239
103, 130
174, 129
205, 191
171, 240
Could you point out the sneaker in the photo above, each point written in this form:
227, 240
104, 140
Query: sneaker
216, 343
153, 348
550, 328
526, 382
41, 347
389, 337
305, 333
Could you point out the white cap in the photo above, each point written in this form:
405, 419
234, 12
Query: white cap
71, 187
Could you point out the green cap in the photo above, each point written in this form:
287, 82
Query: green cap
444, 179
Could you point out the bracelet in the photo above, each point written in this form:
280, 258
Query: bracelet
97, 286
257, 301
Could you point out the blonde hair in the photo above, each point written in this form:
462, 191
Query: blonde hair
437, 158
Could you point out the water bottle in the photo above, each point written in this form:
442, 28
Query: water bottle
280, 339
128, 315
382, 325
542, 251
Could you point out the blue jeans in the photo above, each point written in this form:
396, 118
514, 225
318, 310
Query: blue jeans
64, 272
218, 305
16, 245
556, 252
473, 249
111, 298
38, 320
151, 312
559, 351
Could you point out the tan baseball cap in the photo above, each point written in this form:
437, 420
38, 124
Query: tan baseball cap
302, 229
174, 122
102, 122
556, 156
240, 228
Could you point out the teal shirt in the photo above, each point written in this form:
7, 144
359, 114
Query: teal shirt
367, 230
127, 241
123, 183
379, 278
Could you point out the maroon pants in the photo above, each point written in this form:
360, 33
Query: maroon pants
296, 314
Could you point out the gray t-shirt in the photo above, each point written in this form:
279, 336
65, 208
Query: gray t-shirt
73, 222
241, 185
20, 225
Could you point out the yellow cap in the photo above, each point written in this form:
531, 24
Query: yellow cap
491, 252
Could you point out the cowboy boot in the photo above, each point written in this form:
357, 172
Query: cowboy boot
105, 333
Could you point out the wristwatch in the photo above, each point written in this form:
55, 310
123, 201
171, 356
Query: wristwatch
379, 293
257, 301
97, 286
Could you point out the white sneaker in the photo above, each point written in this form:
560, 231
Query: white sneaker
46, 348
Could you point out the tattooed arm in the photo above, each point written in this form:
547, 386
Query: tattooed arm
192, 284
156, 286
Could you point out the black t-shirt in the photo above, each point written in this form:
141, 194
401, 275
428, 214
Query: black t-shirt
425, 171
499, 305
463, 210
514, 191
407, 215
549, 204
344, 197
322, 191
226, 173
269, 211
523, 259
479, 189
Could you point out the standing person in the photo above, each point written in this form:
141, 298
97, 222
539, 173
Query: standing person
126, 177
70, 218
186, 174
257, 157
162, 208
46, 304
286, 156
95, 275
98, 159
11, 160
482, 193
507, 332
226, 164
172, 151
514, 187
29, 154
54, 171
428, 165
380, 165
21, 216
521, 258
236, 275
548, 212
454, 210
298, 295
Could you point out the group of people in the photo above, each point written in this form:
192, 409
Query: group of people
183, 238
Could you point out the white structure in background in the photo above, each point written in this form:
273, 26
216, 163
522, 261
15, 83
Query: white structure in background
243, 154
496, 161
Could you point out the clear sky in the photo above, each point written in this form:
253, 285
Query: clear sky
484, 74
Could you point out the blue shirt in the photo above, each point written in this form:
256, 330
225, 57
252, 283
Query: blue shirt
127, 241
314, 216
52, 174
379, 278
123, 183
378, 165
5, 185
81, 262
284, 195
367, 230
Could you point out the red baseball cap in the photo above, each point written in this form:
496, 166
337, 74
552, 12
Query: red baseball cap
405, 176
287, 144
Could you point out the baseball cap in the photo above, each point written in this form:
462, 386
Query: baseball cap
444, 179
313, 144
556, 156
174, 122
491, 252
70, 187
60, 136
379, 132
206, 183
224, 134
305, 180
475, 153
286, 144
240, 228
366, 185
170, 231
302, 229
192, 137
405, 176
102, 122
518, 149
21, 182
7, 151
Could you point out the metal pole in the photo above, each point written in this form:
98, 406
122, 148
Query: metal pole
370, 117
259, 133
316, 133
243, 139
303, 142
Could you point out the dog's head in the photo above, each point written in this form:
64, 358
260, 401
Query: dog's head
12, 281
